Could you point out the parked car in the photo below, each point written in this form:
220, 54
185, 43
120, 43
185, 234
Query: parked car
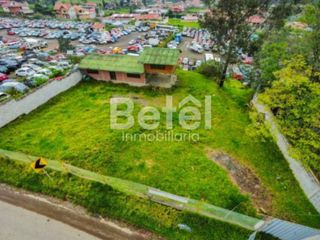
3, 77
8, 86
45, 71
10, 64
25, 72
64, 65
3, 69
185, 60
198, 63
3, 96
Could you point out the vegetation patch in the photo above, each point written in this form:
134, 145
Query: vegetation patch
245, 178
75, 127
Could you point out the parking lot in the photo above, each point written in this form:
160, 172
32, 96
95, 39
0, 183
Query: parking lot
120, 41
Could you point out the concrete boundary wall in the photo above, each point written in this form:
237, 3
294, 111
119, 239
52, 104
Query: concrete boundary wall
12, 109
307, 181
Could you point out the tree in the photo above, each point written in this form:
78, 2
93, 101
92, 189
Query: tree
314, 40
64, 45
279, 13
228, 24
295, 102
269, 61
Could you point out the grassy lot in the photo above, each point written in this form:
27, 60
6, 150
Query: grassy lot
194, 10
180, 23
74, 127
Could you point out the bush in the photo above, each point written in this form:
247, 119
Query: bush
39, 81
210, 69
164, 43
75, 59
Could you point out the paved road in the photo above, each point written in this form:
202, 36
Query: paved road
28, 216
17, 223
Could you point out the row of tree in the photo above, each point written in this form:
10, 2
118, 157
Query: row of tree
289, 61
228, 24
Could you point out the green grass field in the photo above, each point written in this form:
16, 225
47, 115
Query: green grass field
180, 23
75, 127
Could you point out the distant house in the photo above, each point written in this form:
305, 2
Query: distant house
190, 18
177, 8
128, 69
256, 20
68, 11
148, 17
62, 10
14, 7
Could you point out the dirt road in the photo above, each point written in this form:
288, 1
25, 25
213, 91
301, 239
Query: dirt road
32, 216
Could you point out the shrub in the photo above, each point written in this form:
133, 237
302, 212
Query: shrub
210, 69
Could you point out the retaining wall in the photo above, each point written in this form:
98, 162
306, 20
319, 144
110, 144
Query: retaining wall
12, 109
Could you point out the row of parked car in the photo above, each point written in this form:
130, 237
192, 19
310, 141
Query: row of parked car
104, 37
21, 71
8, 23
52, 29
200, 37
189, 64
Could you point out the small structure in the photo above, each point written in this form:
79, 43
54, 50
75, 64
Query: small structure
133, 70
190, 18
256, 20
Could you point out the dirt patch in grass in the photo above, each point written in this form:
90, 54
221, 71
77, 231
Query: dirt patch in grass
245, 178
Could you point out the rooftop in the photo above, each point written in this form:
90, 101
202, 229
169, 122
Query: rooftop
130, 64
161, 56
115, 63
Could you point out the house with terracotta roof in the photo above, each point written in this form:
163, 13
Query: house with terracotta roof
62, 10
148, 17
68, 11
177, 8
256, 20
132, 70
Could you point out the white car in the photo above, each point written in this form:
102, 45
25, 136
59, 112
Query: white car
3, 96
57, 68
198, 63
25, 72
131, 42
45, 71
31, 66
185, 61
64, 64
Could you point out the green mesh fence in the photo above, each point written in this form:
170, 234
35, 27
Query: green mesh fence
140, 190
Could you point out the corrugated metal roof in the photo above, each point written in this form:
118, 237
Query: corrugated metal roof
289, 231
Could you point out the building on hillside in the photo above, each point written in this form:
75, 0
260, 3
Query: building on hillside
256, 20
133, 70
62, 9
153, 10
148, 17
177, 8
68, 11
14, 7
190, 18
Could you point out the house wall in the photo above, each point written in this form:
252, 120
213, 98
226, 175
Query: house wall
168, 69
15, 10
121, 77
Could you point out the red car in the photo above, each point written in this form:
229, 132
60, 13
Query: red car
3, 77
10, 32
